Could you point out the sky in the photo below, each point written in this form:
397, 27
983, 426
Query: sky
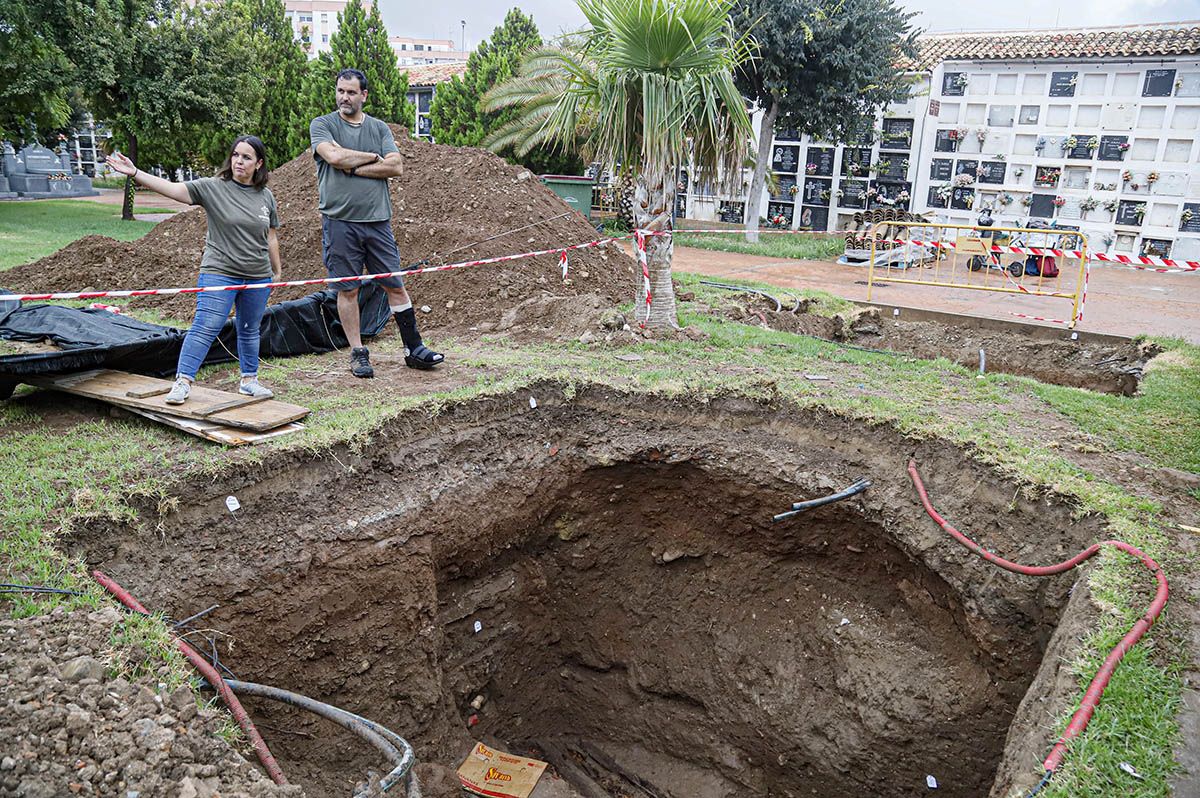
443, 19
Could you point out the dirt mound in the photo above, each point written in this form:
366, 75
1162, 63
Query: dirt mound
448, 198
68, 727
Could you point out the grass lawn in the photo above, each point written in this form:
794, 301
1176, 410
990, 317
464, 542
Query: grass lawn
803, 246
51, 478
31, 230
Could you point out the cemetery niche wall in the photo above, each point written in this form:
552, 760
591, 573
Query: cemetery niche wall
38, 173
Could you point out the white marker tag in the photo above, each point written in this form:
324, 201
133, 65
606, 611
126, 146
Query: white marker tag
895, 311
532, 403
931, 782
1128, 768
478, 627
233, 504
1074, 336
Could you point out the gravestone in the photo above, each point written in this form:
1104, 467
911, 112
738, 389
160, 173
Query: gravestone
813, 190
941, 169
1171, 184
814, 218
891, 191
1062, 84
1156, 247
1127, 212
681, 206
946, 141
785, 184
1080, 151
785, 158
893, 169
1118, 116
1158, 83
1042, 207
897, 134
1189, 85
784, 209
1054, 147
962, 199
822, 158
787, 134
1187, 249
854, 194
732, 212
1070, 209
856, 161
992, 172
935, 199
1191, 225
1111, 148
1029, 114
954, 84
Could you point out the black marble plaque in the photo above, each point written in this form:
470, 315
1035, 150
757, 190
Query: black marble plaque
681, 206
1156, 247
784, 189
893, 168
855, 162
954, 84
1159, 83
946, 142
935, 200
1080, 151
732, 212
897, 134
822, 159
993, 172
1062, 84
785, 158
966, 168
1042, 207
784, 209
941, 169
1110, 148
813, 190
1191, 225
891, 191
814, 218
787, 134
1127, 212
684, 180
962, 198
854, 194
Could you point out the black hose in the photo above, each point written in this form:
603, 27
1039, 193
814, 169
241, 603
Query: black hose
392, 745
728, 287
6, 587
858, 486
1045, 780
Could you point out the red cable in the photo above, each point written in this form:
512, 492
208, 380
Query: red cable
212, 677
1091, 697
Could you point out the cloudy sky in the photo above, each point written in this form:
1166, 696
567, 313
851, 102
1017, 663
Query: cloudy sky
443, 19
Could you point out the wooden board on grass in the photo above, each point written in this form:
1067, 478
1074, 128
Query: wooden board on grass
136, 392
216, 433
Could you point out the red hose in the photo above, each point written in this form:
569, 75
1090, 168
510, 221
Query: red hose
1091, 698
212, 677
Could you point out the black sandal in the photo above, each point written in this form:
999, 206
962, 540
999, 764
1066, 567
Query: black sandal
423, 358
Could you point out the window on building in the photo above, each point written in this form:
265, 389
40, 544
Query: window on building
404, 47
324, 38
324, 16
418, 47
306, 17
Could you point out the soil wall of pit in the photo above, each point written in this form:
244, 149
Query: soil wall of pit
640, 618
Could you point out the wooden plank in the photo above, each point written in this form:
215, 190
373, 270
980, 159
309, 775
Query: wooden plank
113, 387
241, 401
210, 431
146, 393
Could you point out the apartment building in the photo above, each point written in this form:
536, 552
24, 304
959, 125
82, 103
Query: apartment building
314, 22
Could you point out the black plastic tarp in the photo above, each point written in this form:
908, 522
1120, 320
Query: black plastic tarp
90, 339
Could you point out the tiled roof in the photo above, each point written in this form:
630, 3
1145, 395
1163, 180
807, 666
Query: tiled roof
1178, 38
432, 74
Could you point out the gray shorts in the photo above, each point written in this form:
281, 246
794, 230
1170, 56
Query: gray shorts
349, 247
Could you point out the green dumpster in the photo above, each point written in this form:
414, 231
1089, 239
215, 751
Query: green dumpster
575, 191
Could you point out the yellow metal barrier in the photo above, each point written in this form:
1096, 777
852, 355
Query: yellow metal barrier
961, 256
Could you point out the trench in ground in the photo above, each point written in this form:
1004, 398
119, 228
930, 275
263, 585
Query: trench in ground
644, 625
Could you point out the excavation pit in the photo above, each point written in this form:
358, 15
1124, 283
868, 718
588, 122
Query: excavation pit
603, 571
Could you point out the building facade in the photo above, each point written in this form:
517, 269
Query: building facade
410, 51
1090, 129
422, 86
314, 22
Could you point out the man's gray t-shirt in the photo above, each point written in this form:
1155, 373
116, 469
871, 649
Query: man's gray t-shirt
350, 198
238, 219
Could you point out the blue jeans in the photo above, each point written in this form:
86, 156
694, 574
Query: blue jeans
212, 309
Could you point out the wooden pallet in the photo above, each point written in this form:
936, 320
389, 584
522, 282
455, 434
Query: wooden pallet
145, 395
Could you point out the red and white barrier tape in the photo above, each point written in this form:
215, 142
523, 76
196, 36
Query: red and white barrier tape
639, 237
562, 261
560, 251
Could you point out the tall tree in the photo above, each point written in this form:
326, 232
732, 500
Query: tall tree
824, 67
361, 42
280, 64
316, 90
651, 83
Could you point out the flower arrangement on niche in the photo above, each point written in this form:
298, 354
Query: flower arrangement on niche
1058, 202
1018, 172
778, 220
1087, 205
903, 196
840, 194
1123, 146
1139, 212
1040, 145
1070, 143
999, 157
854, 168
969, 201
1093, 143
1004, 199
1110, 205
944, 191
1151, 178
1185, 217
825, 195
1126, 176
960, 80
963, 180
1073, 81
1047, 176
1027, 200
981, 133
793, 189
810, 169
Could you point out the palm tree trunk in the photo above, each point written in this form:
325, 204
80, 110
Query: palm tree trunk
652, 209
766, 137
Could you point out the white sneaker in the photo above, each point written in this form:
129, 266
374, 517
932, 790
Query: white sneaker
179, 393
252, 388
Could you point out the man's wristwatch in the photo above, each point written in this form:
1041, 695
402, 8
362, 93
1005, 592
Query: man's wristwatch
353, 169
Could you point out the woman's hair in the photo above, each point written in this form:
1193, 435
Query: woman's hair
260, 174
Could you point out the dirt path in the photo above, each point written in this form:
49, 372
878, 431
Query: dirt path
1119, 302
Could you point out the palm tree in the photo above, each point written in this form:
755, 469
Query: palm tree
647, 87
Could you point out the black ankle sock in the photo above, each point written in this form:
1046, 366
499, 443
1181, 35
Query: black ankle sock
406, 320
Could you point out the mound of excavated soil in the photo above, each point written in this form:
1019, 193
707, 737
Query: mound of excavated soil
447, 198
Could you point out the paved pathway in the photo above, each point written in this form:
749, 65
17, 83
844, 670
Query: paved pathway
1119, 301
